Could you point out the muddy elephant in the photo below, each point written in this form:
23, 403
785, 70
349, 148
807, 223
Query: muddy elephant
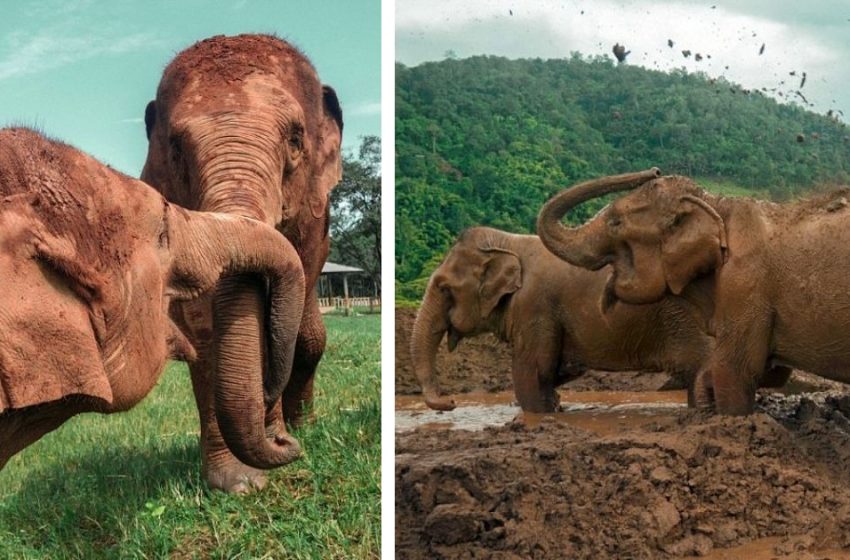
243, 125
90, 260
770, 279
550, 313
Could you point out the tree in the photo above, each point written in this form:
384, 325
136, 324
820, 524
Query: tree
512, 133
356, 211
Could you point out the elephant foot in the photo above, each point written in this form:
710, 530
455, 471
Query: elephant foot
235, 478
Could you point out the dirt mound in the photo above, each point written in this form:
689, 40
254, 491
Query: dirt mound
673, 488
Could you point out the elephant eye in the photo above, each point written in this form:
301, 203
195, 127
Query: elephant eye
295, 148
614, 221
296, 143
677, 220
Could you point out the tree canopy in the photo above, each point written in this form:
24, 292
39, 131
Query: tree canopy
356, 211
487, 140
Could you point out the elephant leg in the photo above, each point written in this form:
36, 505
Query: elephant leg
298, 395
733, 394
739, 359
534, 374
735, 372
701, 392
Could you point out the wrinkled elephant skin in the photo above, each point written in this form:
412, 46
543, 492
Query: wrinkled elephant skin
90, 260
771, 279
550, 313
243, 125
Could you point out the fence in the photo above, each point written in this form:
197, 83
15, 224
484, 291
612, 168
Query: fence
327, 305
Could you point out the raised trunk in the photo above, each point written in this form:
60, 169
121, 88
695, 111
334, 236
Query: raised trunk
209, 246
585, 246
428, 330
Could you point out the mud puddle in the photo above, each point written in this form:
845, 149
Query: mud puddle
601, 412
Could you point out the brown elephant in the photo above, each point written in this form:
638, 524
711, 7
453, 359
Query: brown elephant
549, 312
90, 260
242, 125
770, 279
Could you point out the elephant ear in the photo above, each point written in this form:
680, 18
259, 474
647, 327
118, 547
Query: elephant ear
694, 243
150, 118
329, 160
49, 345
502, 275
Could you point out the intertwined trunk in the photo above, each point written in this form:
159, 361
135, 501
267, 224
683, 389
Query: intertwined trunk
239, 172
207, 247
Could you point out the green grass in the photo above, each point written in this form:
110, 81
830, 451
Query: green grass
729, 188
128, 485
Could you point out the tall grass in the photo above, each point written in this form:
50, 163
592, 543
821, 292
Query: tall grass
128, 485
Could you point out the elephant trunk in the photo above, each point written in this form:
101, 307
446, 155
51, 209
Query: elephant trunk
208, 246
428, 330
239, 171
585, 246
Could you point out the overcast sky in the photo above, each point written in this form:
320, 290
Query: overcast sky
83, 70
803, 36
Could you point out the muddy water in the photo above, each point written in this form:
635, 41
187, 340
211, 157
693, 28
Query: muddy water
602, 412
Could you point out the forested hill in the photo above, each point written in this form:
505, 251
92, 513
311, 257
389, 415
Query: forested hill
487, 140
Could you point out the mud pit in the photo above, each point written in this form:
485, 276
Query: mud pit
618, 474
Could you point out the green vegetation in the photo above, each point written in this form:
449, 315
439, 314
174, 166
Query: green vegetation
356, 211
128, 485
486, 140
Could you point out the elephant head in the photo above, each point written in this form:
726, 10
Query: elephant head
92, 259
658, 238
462, 299
243, 125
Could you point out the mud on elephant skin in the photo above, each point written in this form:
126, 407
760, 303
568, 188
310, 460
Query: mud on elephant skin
771, 279
243, 125
90, 261
549, 312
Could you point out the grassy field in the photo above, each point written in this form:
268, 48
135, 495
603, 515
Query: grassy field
128, 485
729, 188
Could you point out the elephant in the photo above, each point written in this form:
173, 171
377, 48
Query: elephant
770, 279
549, 312
243, 125
90, 260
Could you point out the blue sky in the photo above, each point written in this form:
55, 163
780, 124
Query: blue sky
83, 70
811, 37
